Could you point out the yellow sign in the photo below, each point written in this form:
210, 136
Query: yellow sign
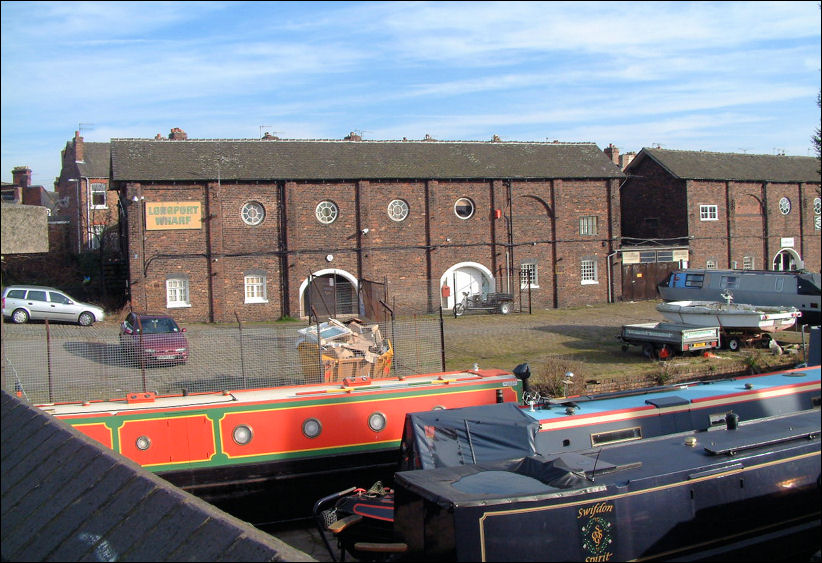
164, 215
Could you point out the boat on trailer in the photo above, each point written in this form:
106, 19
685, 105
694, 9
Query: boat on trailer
234, 447
800, 290
730, 316
497, 438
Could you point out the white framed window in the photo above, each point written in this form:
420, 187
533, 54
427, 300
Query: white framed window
817, 206
710, 264
528, 275
398, 210
588, 225
253, 213
464, 208
98, 195
95, 236
784, 206
588, 271
747, 262
326, 212
255, 288
177, 293
708, 213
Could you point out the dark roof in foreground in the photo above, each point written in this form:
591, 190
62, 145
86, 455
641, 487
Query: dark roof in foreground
67, 498
232, 159
701, 165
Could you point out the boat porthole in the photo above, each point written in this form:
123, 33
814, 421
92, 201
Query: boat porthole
376, 421
242, 434
312, 427
143, 443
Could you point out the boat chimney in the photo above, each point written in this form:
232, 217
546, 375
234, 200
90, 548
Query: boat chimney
732, 421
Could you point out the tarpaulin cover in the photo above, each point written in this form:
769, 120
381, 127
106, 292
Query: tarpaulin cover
448, 438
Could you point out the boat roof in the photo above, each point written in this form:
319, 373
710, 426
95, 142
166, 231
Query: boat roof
685, 393
668, 458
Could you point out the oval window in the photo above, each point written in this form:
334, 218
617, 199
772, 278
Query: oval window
312, 427
253, 213
326, 212
785, 206
376, 422
242, 434
464, 208
398, 210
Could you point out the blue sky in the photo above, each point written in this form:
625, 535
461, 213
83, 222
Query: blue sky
714, 76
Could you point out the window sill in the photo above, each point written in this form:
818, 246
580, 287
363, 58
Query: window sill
589, 282
252, 301
177, 305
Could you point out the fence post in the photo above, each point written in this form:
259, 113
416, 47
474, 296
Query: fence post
48, 361
141, 353
242, 353
442, 341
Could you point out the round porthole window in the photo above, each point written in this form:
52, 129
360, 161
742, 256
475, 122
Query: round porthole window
143, 443
398, 210
464, 208
326, 212
242, 434
784, 206
817, 206
376, 421
253, 213
312, 427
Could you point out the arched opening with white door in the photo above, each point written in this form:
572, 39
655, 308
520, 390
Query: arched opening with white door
466, 277
787, 260
331, 293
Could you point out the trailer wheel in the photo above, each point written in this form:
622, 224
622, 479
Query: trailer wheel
733, 344
648, 351
505, 307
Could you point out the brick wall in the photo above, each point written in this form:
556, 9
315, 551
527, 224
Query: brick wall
411, 255
749, 222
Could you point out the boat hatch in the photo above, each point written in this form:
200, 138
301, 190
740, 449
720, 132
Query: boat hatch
670, 401
732, 442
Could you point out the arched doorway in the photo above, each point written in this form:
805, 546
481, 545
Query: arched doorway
331, 293
786, 260
465, 277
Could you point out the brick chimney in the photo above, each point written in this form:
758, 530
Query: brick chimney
612, 153
79, 149
21, 176
178, 134
353, 137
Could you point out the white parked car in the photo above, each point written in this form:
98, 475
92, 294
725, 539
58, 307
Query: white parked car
22, 303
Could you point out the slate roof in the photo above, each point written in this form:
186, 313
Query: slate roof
164, 160
96, 160
701, 165
67, 498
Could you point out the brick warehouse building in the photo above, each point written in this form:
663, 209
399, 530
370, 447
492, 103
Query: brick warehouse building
268, 228
729, 210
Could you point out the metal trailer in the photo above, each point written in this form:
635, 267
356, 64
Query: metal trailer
662, 340
501, 303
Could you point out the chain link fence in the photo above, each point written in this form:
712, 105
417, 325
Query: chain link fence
50, 362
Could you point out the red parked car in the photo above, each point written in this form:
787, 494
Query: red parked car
153, 339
